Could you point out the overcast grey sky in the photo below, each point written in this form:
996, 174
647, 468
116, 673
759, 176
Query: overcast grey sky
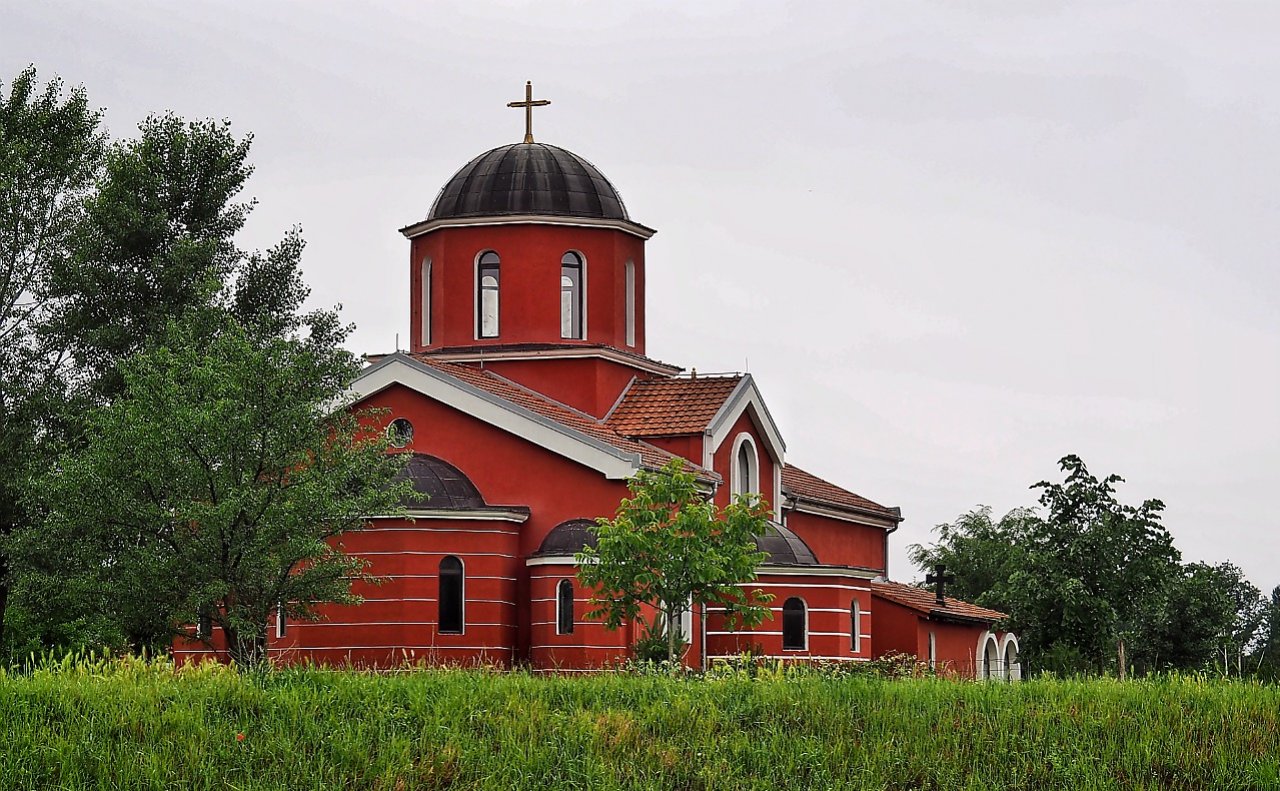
953, 242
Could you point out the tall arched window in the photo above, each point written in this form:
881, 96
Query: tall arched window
571, 296
795, 630
450, 600
745, 477
630, 272
855, 627
487, 296
564, 607
282, 620
426, 302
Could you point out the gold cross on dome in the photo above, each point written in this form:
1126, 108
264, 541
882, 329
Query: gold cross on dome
528, 104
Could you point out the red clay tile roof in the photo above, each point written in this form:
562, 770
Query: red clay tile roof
650, 456
925, 601
802, 485
671, 407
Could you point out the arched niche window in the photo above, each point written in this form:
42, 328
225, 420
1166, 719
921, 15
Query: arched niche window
450, 599
795, 630
564, 607
630, 273
426, 302
487, 295
282, 620
855, 627
745, 476
571, 296
933, 651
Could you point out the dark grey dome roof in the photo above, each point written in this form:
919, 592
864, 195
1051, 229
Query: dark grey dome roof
784, 548
781, 546
568, 538
443, 484
528, 178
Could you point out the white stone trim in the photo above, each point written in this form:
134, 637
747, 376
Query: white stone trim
427, 226
556, 437
563, 352
486, 515
746, 398
803, 506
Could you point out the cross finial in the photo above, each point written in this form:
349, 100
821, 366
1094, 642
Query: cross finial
528, 104
939, 578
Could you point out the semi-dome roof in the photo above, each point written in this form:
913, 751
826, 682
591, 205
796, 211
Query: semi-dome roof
781, 546
444, 486
528, 178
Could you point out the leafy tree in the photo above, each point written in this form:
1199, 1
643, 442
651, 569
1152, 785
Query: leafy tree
158, 240
217, 483
1266, 659
50, 152
1082, 581
670, 547
982, 553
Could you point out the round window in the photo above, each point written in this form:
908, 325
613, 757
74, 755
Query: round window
400, 432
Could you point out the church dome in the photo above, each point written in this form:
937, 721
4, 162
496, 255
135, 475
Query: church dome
438, 485
528, 178
780, 545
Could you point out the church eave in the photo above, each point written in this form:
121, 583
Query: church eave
427, 226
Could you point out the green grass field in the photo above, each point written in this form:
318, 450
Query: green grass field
132, 725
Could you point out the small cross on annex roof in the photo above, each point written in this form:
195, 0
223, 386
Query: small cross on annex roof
528, 104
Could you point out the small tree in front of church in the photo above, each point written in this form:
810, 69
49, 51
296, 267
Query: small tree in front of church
214, 488
670, 548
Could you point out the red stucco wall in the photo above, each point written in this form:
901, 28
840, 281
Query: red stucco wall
529, 302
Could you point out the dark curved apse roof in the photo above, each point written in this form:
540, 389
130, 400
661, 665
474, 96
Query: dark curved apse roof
781, 546
784, 548
568, 538
528, 178
444, 485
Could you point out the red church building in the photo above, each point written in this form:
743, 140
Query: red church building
527, 400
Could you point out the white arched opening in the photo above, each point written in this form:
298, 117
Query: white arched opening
744, 466
988, 657
1010, 657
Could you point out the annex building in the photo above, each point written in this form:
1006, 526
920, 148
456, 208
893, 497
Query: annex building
527, 399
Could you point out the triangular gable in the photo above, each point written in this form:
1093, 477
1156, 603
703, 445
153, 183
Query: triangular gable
430, 381
745, 398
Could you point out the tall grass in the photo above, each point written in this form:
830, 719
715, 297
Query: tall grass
127, 725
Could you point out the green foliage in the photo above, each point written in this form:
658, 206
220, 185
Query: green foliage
1093, 579
670, 547
89, 724
216, 481
158, 241
50, 151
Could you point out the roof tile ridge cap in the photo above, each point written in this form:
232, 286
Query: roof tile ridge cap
618, 401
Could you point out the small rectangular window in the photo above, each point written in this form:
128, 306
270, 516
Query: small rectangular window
282, 621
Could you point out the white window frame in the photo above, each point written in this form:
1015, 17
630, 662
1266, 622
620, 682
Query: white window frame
804, 633
582, 301
855, 625
282, 626
462, 595
736, 484
559, 604
477, 320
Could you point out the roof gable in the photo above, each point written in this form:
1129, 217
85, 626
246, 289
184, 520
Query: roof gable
517, 410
